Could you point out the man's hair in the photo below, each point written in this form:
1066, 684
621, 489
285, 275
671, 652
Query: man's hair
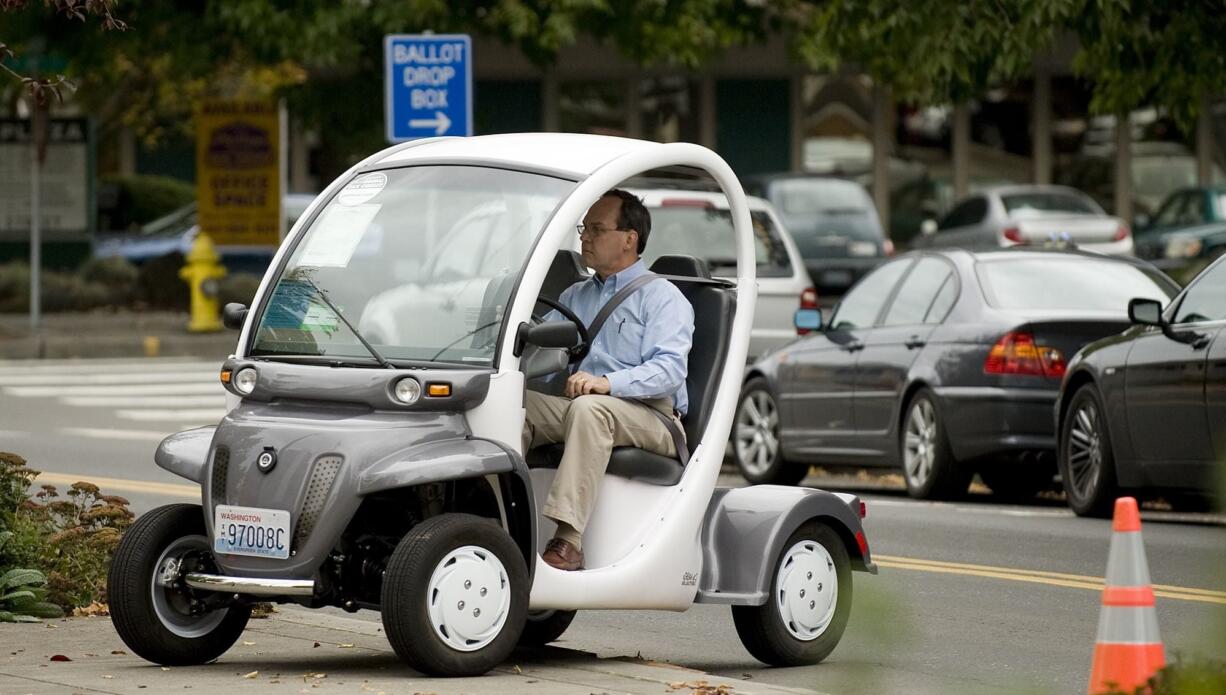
633, 215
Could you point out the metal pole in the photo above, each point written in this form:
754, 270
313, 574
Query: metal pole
37, 133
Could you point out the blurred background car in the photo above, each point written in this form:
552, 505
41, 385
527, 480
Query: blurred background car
1187, 233
1145, 410
833, 222
175, 233
1028, 215
925, 198
942, 363
698, 223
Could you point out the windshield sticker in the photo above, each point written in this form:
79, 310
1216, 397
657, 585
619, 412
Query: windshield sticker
289, 305
362, 189
320, 317
336, 235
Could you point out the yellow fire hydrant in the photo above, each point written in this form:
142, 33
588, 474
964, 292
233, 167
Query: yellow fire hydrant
201, 273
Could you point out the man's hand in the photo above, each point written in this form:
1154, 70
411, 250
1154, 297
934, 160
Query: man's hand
582, 383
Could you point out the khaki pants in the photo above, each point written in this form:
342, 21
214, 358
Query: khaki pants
590, 426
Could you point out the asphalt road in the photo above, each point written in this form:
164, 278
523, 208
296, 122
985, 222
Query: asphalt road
973, 597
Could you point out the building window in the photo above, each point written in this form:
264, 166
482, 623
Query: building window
668, 108
596, 107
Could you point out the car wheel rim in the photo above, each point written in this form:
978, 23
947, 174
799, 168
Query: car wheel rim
1084, 451
173, 605
807, 590
757, 433
469, 597
919, 443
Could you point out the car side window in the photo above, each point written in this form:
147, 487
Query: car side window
969, 212
946, 296
917, 292
862, 305
1205, 299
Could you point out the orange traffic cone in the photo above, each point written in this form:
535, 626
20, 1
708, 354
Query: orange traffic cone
1128, 649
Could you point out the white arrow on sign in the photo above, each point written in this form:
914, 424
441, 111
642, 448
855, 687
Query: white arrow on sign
440, 123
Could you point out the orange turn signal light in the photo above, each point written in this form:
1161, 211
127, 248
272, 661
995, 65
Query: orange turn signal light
225, 376
438, 390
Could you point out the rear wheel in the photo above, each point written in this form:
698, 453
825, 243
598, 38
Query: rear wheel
543, 627
755, 438
808, 605
1086, 461
929, 466
154, 612
455, 594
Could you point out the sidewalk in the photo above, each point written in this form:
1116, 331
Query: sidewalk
298, 650
101, 334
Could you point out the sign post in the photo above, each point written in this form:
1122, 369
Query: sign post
428, 80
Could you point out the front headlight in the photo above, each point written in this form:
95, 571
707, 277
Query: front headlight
244, 381
408, 390
1183, 247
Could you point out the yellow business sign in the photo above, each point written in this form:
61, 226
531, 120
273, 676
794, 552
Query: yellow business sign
238, 171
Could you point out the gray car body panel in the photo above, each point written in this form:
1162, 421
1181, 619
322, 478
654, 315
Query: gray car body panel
379, 451
745, 529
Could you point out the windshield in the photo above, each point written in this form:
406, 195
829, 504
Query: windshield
1048, 202
420, 260
807, 196
1068, 283
706, 233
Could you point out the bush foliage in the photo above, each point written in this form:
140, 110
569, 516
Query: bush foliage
67, 540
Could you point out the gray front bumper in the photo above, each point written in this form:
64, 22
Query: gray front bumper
252, 586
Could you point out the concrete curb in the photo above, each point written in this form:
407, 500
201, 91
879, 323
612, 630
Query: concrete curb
69, 335
299, 650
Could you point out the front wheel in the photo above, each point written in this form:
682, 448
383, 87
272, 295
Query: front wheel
755, 438
1086, 461
455, 595
154, 612
929, 466
809, 603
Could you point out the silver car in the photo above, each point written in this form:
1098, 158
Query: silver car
1028, 215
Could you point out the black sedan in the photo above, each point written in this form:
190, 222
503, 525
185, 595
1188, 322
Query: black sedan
1146, 409
944, 363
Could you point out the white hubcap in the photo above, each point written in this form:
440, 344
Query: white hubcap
469, 597
807, 590
757, 426
919, 443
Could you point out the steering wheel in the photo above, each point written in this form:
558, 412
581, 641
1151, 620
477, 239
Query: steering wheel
579, 350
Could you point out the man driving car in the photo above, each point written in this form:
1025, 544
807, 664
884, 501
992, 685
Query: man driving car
636, 363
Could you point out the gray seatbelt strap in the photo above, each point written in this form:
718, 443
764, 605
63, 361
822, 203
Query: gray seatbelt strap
674, 430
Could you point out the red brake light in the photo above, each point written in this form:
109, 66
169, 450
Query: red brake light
1015, 235
1017, 353
888, 247
1121, 233
863, 509
808, 300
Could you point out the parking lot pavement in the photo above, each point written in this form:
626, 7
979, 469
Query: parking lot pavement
297, 650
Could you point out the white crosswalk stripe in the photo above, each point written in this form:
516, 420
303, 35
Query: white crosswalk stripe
174, 394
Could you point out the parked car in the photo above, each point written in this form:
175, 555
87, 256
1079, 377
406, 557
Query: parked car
1145, 410
697, 223
1187, 233
175, 233
943, 363
924, 198
833, 222
1028, 215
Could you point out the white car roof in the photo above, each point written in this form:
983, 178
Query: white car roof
654, 198
572, 155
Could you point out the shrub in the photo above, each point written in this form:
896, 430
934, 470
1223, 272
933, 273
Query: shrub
59, 291
159, 285
238, 287
141, 199
116, 274
70, 540
22, 596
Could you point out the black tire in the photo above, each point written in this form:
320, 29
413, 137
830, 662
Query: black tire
544, 627
763, 629
407, 595
929, 467
1017, 480
155, 621
1085, 457
756, 446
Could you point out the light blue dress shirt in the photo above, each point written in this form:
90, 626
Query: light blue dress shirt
644, 347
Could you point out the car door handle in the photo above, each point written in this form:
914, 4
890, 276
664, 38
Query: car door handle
915, 342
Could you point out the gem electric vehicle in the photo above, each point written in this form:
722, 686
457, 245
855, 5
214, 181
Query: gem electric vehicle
371, 454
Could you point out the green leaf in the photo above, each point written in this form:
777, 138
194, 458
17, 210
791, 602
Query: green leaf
26, 619
16, 597
43, 609
7, 617
21, 577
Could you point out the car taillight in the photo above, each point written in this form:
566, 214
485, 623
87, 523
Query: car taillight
887, 247
808, 300
1017, 353
1015, 235
1121, 233
863, 509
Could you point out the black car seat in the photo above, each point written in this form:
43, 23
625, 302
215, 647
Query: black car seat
566, 269
714, 308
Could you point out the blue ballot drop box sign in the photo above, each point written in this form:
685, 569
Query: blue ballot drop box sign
429, 85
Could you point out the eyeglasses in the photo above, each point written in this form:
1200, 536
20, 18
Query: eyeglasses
593, 232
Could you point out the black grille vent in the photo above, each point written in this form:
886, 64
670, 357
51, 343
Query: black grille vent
322, 477
221, 468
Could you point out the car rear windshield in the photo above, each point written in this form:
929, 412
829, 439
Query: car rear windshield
804, 196
1048, 202
1069, 283
706, 232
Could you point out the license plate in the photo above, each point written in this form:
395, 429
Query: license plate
836, 277
251, 531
